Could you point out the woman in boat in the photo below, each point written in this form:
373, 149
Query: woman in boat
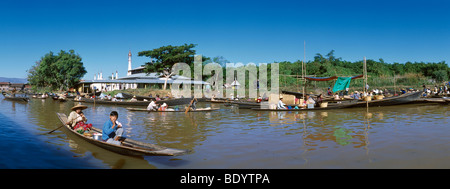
310, 100
112, 129
77, 120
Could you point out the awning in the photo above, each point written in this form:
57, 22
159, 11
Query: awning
329, 78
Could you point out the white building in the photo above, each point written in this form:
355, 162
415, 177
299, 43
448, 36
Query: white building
136, 78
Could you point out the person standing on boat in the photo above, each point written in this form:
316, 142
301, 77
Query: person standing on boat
112, 129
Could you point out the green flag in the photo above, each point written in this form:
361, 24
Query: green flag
341, 83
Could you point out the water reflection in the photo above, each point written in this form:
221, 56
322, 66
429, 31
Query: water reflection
238, 138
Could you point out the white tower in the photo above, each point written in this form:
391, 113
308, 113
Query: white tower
129, 63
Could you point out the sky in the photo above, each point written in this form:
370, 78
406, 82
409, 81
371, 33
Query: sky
102, 32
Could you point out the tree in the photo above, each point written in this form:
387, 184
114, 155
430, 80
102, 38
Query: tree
60, 71
165, 57
440, 75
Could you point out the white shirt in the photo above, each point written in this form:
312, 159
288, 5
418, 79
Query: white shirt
281, 105
151, 106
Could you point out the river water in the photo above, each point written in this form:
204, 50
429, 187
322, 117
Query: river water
406, 136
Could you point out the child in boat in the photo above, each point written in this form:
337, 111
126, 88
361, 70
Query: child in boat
112, 129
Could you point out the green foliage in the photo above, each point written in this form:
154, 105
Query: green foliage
165, 57
380, 73
60, 71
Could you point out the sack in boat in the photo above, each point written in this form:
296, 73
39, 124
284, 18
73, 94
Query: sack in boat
367, 98
324, 104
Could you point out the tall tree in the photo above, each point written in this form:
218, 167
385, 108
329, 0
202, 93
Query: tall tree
163, 59
60, 71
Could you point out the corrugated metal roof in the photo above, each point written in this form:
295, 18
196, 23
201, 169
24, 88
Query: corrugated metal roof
149, 81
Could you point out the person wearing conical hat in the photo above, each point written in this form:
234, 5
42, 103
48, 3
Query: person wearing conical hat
76, 115
280, 104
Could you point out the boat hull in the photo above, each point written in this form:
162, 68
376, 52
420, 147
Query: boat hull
129, 147
396, 100
153, 111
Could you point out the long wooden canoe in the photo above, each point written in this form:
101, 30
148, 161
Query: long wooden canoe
432, 100
244, 105
329, 107
389, 101
126, 103
18, 99
183, 110
169, 102
128, 147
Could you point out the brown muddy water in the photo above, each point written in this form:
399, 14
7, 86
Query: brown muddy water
406, 136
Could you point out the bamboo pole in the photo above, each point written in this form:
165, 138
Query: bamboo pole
365, 86
304, 70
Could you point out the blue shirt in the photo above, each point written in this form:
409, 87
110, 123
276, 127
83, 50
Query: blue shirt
108, 131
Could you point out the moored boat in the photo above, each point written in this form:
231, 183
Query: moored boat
182, 110
128, 147
389, 101
169, 102
124, 102
330, 106
18, 99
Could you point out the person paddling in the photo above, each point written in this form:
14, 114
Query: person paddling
77, 119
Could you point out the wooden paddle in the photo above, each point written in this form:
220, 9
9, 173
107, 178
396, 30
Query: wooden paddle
55, 129
189, 107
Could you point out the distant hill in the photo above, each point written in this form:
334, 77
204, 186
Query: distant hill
13, 80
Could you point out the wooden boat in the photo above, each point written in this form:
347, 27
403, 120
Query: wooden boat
128, 147
169, 102
217, 101
196, 110
395, 100
431, 100
138, 97
174, 101
447, 99
18, 99
125, 102
329, 107
243, 105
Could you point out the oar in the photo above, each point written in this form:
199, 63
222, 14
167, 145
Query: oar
189, 107
55, 129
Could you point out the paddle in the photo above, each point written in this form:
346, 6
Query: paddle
54, 129
189, 107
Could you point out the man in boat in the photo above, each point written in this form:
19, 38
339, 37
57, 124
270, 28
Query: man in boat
280, 104
133, 99
152, 106
77, 120
112, 129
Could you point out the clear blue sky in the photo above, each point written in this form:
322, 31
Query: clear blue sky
102, 32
